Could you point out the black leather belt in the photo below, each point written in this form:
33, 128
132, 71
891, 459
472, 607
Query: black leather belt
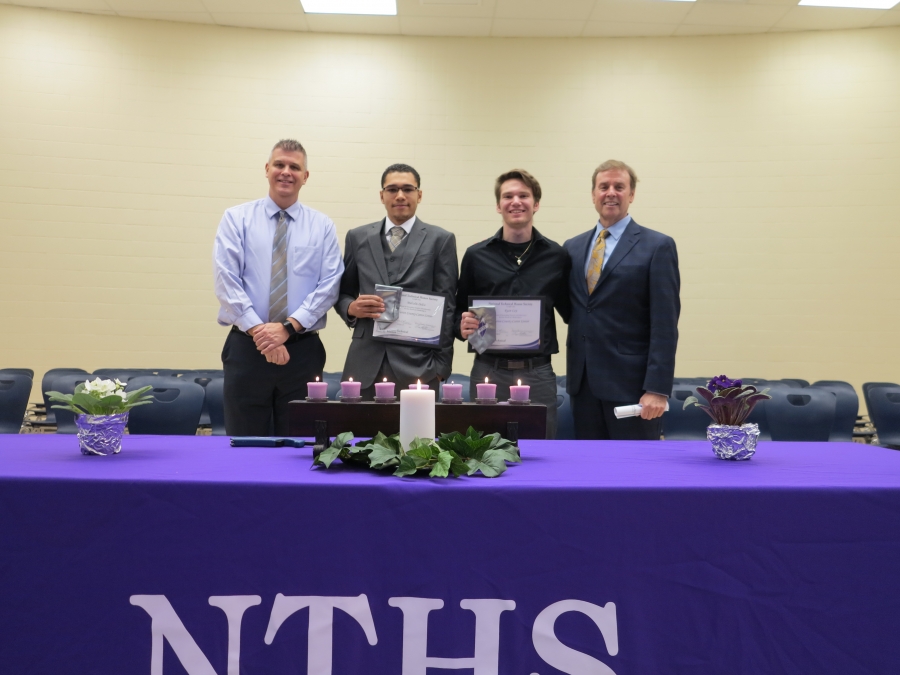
296, 337
514, 364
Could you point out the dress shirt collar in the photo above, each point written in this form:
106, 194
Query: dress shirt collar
388, 224
615, 230
272, 209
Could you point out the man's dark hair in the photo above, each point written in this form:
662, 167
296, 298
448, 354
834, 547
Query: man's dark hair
522, 175
290, 145
401, 168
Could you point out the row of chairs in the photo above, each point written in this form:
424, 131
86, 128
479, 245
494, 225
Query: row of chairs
186, 399
182, 402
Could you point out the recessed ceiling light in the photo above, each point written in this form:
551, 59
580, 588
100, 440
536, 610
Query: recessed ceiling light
852, 4
378, 7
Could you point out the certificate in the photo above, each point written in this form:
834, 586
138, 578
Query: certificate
519, 322
420, 320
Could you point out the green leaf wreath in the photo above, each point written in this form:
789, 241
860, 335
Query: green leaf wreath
454, 453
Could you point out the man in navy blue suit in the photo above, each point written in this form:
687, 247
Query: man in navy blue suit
623, 332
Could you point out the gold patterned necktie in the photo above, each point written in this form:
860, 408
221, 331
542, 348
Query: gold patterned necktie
397, 234
596, 264
278, 285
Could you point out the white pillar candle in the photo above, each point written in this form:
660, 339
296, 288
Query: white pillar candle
416, 415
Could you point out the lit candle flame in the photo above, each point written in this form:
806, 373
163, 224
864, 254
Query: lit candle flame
520, 382
384, 380
485, 380
418, 384
351, 379
317, 378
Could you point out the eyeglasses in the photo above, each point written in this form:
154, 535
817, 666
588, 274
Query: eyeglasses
406, 189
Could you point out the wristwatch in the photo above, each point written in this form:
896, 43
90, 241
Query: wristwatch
289, 327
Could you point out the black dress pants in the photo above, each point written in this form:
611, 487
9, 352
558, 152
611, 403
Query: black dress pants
595, 419
258, 392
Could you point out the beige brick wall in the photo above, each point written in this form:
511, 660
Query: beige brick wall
773, 160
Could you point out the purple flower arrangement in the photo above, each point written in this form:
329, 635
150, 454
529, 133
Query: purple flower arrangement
727, 401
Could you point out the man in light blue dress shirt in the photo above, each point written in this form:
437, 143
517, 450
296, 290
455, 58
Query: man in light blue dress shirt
277, 269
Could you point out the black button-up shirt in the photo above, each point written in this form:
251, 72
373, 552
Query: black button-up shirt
488, 269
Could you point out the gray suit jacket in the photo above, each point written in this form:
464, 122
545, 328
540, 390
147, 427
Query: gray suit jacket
428, 265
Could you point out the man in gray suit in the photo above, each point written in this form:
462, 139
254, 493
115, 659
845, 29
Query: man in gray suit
399, 250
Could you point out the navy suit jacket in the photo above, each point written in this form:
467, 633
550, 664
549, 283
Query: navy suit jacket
624, 335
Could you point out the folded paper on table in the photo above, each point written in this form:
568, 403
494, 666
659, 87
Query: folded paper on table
630, 410
419, 321
518, 322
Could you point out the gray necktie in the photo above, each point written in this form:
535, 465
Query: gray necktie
278, 285
397, 234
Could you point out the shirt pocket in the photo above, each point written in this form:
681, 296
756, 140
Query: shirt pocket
307, 261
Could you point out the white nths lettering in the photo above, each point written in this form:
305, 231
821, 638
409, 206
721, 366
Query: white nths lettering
415, 635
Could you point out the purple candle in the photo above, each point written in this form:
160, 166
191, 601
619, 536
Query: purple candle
418, 386
384, 389
317, 389
350, 389
486, 390
450, 391
519, 393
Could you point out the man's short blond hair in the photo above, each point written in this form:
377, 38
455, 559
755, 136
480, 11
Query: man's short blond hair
614, 165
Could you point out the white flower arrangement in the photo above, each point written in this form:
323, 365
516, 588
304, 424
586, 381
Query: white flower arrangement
101, 397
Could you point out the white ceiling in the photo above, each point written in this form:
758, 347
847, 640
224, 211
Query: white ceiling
502, 18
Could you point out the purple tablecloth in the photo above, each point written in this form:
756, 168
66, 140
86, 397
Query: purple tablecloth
788, 563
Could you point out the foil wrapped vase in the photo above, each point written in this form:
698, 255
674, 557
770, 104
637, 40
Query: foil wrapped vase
101, 434
733, 442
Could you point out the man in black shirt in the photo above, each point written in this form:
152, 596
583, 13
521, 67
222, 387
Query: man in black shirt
517, 260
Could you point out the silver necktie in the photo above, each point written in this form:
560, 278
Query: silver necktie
397, 234
278, 286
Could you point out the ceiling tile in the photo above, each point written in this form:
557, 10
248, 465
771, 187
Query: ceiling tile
409, 8
827, 18
153, 6
685, 30
640, 11
340, 23
184, 17
558, 10
445, 26
536, 28
259, 20
623, 29
744, 16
